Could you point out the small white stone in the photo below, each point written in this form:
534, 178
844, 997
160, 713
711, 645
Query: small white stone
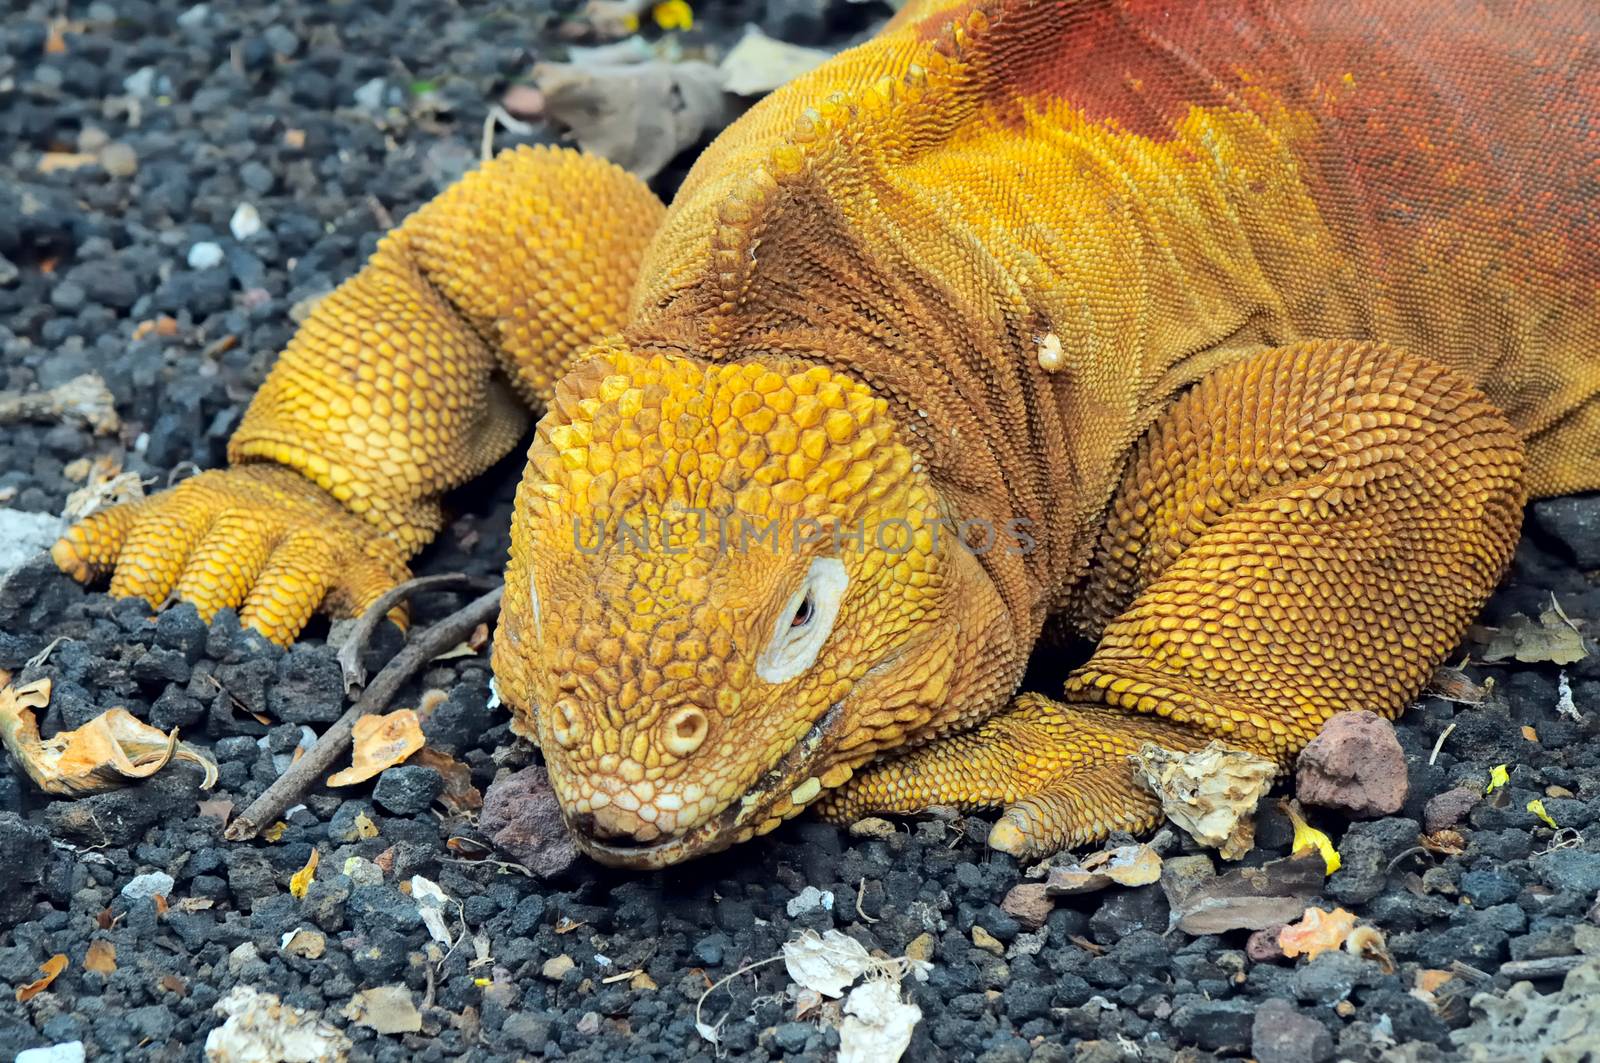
148, 885
370, 96
205, 255
245, 223
68, 1052
809, 900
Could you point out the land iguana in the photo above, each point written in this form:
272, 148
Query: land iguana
1234, 333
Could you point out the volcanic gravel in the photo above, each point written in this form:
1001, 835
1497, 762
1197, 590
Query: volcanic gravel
326, 122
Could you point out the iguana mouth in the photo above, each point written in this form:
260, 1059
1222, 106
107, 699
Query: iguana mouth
739, 821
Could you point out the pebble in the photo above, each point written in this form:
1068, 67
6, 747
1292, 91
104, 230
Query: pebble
809, 900
246, 221
1029, 904
1574, 521
150, 884
1354, 765
521, 816
556, 967
1215, 1025
205, 255
66, 1052
1449, 809
119, 160
407, 790
987, 941
1281, 1033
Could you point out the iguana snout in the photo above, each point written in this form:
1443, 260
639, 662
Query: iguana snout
726, 591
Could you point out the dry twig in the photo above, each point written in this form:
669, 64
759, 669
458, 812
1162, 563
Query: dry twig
304, 773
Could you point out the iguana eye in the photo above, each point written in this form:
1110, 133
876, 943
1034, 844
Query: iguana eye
805, 623
802, 615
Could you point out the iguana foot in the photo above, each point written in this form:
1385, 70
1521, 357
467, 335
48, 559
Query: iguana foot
1061, 772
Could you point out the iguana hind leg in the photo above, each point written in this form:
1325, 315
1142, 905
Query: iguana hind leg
1307, 532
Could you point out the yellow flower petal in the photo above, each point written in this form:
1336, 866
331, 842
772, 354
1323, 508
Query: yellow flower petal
673, 15
300, 881
1498, 777
1536, 806
1308, 837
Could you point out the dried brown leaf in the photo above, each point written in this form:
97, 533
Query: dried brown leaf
1125, 865
1316, 932
1550, 639
109, 751
1211, 793
101, 957
51, 969
1452, 684
459, 794
1251, 898
1368, 943
381, 741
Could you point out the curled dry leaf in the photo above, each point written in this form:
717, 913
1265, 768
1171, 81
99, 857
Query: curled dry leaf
381, 741
877, 1023
109, 751
1316, 932
1551, 639
637, 115
1368, 943
101, 492
1536, 806
101, 957
50, 970
1444, 842
1429, 980
1126, 865
1452, 684
1211, 793
459, 793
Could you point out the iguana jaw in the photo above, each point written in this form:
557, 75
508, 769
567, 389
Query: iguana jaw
765, 805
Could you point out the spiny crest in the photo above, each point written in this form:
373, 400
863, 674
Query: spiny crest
893, 118
634, 435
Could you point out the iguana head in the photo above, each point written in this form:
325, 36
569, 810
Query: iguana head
727, 589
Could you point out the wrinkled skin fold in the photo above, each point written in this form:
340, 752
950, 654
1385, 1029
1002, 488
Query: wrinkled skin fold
1235, 334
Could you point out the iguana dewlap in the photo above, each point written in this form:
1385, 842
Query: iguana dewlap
1235, 333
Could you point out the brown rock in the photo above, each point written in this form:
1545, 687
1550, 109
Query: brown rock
1355, 765
1028, 904
524, 102
1262, 946
521, 816
1448, 809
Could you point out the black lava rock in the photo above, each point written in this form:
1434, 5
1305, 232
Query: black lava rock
408, 790
24, 855
309, 687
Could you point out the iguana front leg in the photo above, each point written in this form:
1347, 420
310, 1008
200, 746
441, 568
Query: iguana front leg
388, 396
1308, 531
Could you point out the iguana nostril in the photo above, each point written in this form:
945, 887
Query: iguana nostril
685, 730
565, 724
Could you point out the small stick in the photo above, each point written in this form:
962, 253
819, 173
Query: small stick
1440, 743
1549, 967
304, 773
355, 643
